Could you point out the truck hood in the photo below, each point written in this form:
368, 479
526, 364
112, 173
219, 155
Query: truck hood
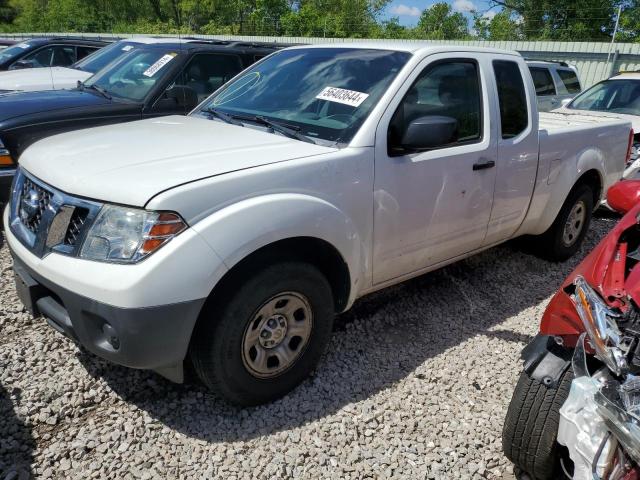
132, 162
29, 103
32, 79
634, 119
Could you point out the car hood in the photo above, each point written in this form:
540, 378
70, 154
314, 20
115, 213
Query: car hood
29, 103
34, 79
634, 119
130, 163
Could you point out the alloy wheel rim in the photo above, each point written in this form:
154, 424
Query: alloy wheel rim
575, 224
277, 334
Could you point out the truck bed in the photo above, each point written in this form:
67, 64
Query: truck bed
570, 122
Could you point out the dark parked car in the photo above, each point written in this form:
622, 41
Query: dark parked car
150, 81
6, 42
48, 52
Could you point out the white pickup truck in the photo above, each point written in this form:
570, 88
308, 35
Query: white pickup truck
230, 238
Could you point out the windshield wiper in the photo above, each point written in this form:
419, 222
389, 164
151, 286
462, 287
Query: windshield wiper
286, 130
100, 90
225, 117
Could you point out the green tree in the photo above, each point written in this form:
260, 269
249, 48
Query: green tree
566, 20
440, 22
333, 18
502, 26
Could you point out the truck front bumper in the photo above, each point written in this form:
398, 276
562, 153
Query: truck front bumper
155, 338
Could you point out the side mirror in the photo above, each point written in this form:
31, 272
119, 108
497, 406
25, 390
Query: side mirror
565, 102
429, 132
20, 64
182, 96
624, 195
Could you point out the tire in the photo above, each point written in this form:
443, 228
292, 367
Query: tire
292, 303
531, 425
553, 244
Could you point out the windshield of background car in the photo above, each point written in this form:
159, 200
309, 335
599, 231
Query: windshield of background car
616, 96
134, 75
15, 51
103, 57
325, 92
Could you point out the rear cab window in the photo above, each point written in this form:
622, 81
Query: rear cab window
543, 81
514, 109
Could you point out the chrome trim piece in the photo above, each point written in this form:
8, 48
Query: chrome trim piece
7, 172
39, 241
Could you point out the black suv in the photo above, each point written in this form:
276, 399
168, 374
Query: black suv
48, 52
150, 81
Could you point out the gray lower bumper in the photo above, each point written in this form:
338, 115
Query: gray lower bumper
154, 338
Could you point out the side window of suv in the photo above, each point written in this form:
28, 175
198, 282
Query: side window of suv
570, 80
54, 56
206, 72
514, 110
543, 81
447, 89
83, 51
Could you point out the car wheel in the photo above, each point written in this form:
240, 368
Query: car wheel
267, 337
531, 425
564, 238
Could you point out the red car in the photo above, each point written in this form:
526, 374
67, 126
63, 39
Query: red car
575, 412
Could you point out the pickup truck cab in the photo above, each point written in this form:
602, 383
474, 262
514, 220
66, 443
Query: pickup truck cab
231, 237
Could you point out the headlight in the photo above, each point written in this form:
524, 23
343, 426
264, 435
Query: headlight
127, 235
598, 321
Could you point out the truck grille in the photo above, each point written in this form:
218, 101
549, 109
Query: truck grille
34, 200
45, 219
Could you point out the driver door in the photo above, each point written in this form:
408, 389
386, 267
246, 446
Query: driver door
434, 205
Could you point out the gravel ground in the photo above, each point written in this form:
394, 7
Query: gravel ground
415, 384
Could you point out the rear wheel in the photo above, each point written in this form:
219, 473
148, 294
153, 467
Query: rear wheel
529, 435
565, 236
267, 337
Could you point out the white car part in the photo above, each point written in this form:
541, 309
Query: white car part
583, 430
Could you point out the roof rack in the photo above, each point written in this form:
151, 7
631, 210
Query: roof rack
557, 62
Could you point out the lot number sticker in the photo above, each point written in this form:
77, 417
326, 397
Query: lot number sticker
126, 48
340, 95
153, 69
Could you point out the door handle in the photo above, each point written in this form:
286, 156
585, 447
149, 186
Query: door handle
484, 164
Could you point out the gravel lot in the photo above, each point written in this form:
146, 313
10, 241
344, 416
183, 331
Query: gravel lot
415, 384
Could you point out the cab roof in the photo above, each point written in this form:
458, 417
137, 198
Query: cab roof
411, 47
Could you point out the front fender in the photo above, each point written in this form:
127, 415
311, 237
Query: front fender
238, 230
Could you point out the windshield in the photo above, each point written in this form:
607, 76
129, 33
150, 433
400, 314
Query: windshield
10, 53
103, 57
134, 75
326, 93
617, 96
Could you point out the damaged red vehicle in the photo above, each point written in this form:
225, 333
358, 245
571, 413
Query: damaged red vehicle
575, 412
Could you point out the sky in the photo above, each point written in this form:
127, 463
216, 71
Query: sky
408, 11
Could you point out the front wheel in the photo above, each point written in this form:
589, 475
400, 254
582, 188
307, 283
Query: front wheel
566, 234
529, 435
267, 337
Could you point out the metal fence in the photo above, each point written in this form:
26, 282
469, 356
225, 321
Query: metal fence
595, 61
